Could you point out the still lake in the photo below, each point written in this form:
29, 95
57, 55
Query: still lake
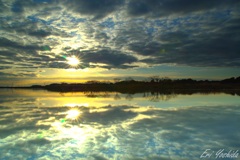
38, 124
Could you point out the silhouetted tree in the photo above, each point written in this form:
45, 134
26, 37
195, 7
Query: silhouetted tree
117, 80
129, 79
154, 78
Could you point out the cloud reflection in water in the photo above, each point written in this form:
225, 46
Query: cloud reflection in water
117, 132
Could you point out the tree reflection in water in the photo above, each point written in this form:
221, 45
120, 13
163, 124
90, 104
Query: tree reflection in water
45, 125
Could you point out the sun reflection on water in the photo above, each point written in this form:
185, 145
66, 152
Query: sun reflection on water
67, 129
76, 132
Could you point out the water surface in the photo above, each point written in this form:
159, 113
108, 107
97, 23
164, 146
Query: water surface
37, 124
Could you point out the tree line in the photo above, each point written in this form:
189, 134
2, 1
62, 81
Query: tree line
154, 84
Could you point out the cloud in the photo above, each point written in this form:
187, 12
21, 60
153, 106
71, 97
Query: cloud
17, 7
193, 47
94, 8
111, 116
24, 8
109, 57
118, 34
160, 8
39, 33
107, 132
147, 49
1, 6
4, 42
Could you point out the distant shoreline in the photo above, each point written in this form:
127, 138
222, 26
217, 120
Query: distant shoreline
164, 85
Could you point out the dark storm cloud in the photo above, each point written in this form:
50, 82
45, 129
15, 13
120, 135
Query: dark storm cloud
1, 6
4, 42
18, 55
102, 37
194, 42
55, 64
96, 8
31, 27
196, 55
159, 8
143, 48
19, 6
44, 61
231, 29
39, 33
4, 67
110, 57
194, 47
23, 57
174, 37
5, 54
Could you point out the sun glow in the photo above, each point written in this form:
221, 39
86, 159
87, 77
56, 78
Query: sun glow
73, 114
73, 61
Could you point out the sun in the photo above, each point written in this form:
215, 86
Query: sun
73, 114
73, 61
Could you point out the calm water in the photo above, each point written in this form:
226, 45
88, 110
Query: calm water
97, 126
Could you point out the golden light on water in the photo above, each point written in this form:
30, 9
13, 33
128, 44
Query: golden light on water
73, 61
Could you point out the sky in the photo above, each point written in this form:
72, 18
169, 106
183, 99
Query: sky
45, 41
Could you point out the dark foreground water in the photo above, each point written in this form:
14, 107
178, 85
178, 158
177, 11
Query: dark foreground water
97, 126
